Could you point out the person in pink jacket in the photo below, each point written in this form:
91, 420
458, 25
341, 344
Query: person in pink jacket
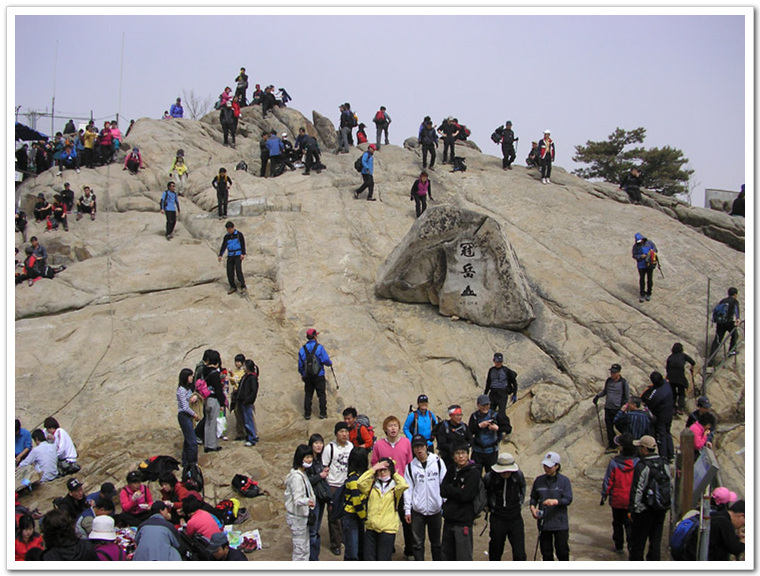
135, 500
701, 429
397, 447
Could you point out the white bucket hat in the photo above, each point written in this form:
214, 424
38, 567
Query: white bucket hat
103, 528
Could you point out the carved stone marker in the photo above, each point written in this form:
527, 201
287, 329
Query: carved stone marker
462, 262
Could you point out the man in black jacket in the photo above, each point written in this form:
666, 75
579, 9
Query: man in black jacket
74, 503
501, 383
460, 488
449, 131
451, 432
724, 539
725, 323
631, 183
659, 399
616, 393
550, 496
508, 146
505, 485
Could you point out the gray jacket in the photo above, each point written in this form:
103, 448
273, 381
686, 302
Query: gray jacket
617, 393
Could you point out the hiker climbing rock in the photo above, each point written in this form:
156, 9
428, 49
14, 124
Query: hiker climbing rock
645, 253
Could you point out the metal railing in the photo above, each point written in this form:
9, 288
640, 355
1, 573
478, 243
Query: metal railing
721, 355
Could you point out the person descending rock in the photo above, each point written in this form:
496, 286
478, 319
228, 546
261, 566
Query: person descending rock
428, 138
505, 486
313, 157
631, 183
180, 167
501, 383
617, 487
487, 428
234, 243
726, 318
312, 359
222, 184
170, 208
421, 422
546, 154
422, 189
647, 511
645, 253
367, 174
422, 501
508, 146
550, 496
616, 393
675, 372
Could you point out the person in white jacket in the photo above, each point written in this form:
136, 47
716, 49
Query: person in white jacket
299, 502
423, 502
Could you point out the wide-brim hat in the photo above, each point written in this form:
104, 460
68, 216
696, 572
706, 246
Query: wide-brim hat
103, 528
505, 463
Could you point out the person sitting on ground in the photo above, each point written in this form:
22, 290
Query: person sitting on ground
258, 95
135, 499
42, 209
173, 492
23, 442
87, 204
68, 159
21, 223
283, 97
61, 543
59, 213
101, 507
74, 503
103, 536
67, 452
361, 134
26, 537
133, 161
107, 492
287, 152
157, 539
32, 269
199, 521
534, 156
43, 458
221, 551
67, 194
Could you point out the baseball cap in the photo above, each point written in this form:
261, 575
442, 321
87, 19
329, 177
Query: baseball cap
551, 459
704, 402
422, 398
372, 147
418, 440
723, 495
483, 400
73, 484
217, 541
547, 131
498, 357
615, 368
509, 122
647, 442
311, 332
284, 134
505, 463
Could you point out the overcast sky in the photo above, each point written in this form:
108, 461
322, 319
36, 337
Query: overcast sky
682, 77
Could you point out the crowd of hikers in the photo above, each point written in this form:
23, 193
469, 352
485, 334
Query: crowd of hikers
429, 475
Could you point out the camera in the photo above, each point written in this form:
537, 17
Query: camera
540, 514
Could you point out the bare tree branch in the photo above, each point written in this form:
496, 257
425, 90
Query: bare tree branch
196, 106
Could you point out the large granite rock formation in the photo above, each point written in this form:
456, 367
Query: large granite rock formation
462, 262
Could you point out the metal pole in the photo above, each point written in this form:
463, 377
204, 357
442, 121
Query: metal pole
707, 340
121, 75
55, 77
704, 528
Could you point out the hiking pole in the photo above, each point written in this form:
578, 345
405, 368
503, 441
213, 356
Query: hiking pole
599, 419
337, 386
538, 539
660, 269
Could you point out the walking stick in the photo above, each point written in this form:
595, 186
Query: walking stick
660, 269
337, 386
538, 539
599, 419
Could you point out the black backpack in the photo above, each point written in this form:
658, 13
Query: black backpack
242, 166
497, 134
312, 365
192, 548
657, 495
245, 486
721, 313
192, 477
459, 165
358, 164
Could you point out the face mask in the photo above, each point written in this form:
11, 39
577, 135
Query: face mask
307, 464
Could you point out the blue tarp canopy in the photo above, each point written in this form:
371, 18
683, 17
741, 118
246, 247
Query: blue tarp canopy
25, 133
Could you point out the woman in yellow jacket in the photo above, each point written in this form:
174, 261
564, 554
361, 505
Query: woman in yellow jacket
384, 487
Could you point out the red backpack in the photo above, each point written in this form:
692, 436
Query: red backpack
621, 479
379, 117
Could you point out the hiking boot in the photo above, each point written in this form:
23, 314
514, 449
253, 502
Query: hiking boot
77, 170
733, 353
648, 297
307, 417
323, 416
249, 444
79, 217
243, 290
431, 167
59, 173
641, 298
231, 290
92, 216
335, 550
371, 199
356, 194
307, 173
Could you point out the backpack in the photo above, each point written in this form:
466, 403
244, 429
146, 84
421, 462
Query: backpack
481, 498
194, 547
684, 537
242, 166
497, 135
202, 388
464, 132
228, 511
154, 467
657, 492
379, 117
358, 164
312, 365
363, 420
433, 422
247, 487
192, 477
652, 258
720, 314
459, 165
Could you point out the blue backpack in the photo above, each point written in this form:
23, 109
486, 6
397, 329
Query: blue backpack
721, 314
683, 541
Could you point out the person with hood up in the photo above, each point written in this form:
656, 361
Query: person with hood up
645, 253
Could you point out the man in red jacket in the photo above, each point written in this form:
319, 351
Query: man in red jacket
617, 487
360, 436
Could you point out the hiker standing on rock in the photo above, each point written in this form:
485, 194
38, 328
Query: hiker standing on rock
222, 184
382, 120
170, 209
550, 496
242, 86
645, 253
675, 372
617, 487
546, 153
501, 382
617, 393
312, 359
659, 399
422, 189
367, 174
508, 146
449, 130
234, 243
631, 183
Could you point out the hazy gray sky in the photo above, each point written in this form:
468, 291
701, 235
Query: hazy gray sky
682, 77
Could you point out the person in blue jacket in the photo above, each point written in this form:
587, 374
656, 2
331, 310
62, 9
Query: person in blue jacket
421, 421
550, 496
170, 208
234, 243
313, 382
646, 262
368, 169
176, 110
275, 147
